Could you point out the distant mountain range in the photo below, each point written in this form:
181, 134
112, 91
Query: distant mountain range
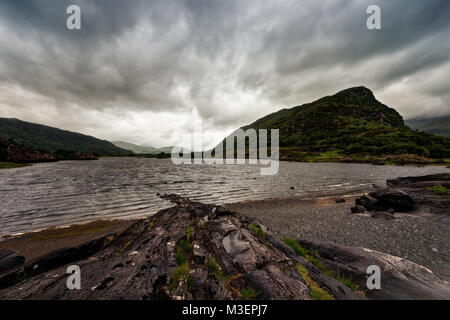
53, 140
351, 126
439, 126
141, 149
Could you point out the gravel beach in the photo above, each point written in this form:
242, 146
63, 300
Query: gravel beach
421, 239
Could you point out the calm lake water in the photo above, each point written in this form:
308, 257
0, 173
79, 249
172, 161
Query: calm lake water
66, 192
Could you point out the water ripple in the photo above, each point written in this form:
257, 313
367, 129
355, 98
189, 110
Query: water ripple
66, 192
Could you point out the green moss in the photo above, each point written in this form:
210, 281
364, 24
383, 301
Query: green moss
124, 247
189, 231
249, 293
317, 293
258, 231
348, 281
296, 246
180, 273
313, 258
183, 256
151, 224
440, 190
214, 267
9, 165
183, 251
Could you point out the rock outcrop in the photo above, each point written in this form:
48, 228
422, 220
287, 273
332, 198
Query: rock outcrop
10, 259
418, 179
400, 278
75, 155
409, 194
19, 153
12, 152
202, 251
393, 198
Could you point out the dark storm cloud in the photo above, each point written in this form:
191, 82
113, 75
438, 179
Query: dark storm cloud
226, 62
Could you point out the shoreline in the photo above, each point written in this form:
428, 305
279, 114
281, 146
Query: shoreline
417, 238
446, 162
34, 244
420, 238
312, 197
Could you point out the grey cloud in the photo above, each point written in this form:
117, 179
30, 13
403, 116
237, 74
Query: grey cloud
226, 62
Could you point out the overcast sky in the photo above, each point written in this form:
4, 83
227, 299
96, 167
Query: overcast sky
147, 71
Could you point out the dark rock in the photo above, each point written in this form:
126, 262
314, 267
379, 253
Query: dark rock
340, 200
10, 259
226, 255
409, 194
369, 203
75, 155
19, 153
400, 279
202, 251
292, 188
383, 215
393, 198
53, 260
358, 209
428, 178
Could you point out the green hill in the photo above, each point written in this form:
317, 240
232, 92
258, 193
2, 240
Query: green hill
141, 149
439, 126
351, 126
52, 139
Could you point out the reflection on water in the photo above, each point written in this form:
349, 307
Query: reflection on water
66, 192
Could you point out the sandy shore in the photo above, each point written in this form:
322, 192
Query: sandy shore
423, 240
35, 244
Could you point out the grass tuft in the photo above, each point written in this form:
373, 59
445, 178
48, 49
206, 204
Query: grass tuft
313, 259
317, 293
9, 165
180, 273
258, 231
183, 255
249, 293
348, 281
214, 267
440, 190
296, 246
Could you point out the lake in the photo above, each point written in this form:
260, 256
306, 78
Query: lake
67, 192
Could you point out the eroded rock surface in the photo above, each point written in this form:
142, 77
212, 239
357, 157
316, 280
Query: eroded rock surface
197, 251
400, 278
190, 251
10, 259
